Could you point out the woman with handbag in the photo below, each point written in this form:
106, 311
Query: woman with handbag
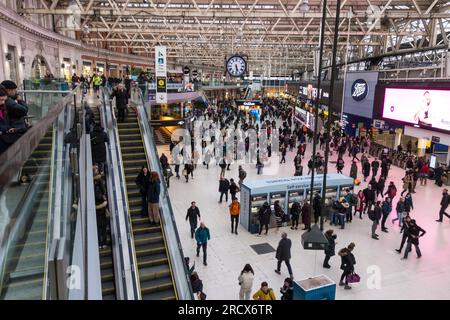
347, 264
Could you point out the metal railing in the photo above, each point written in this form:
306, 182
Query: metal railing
125, 267
32, 183
180, 273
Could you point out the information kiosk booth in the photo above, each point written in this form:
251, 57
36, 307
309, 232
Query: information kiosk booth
286, 190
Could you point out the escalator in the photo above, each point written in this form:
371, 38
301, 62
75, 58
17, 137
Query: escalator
106, 257
26, 258
162, 136
155, 276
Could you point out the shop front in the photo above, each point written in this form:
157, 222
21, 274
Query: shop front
100, 68
251, 108
86, 68
66, 69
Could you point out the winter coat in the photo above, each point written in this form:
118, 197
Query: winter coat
400, 206
235, 208
386, 208
445, 200
202, 235
287, 293
331, 247
407, 181
306, 218
408, 203
192, 215
284, 249
142, 182
391, 191
264, 215
98, 140
224, 185
153, 191
260, 295
16, 111
354, 171
369, 194
414, 232
121, 98
348, 260
246, 280
295, 210
366, 169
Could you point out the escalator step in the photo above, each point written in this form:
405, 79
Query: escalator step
146, 230
154, 272
149, 239
156, 259
159, 284
108, 288
151, 249
160, 295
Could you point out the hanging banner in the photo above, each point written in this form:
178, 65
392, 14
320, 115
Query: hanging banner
161, 74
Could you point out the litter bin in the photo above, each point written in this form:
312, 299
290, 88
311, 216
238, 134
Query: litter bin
316, 288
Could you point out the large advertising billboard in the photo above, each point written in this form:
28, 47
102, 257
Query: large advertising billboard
426, 108
359, 93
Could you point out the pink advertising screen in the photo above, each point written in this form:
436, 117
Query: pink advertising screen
424, 107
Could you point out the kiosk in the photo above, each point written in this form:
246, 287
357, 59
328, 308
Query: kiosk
315, 288
286, 190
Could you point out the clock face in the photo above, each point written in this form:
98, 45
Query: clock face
236, 66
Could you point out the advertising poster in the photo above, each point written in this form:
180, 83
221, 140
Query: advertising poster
424, 107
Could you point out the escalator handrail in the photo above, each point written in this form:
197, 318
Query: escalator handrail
167, 216
123, 246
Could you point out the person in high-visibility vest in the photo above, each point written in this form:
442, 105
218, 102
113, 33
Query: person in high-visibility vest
97, 81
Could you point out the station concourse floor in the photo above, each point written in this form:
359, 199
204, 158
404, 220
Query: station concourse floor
383, 274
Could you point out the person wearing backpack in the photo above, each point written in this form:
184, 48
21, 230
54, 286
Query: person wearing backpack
224, 186
375, 216
348, 262
340, 165
233, 189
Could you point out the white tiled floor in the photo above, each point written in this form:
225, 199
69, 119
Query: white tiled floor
426, 278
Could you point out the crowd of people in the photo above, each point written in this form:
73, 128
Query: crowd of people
231, 135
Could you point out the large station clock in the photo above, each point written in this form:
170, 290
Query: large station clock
236, 66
